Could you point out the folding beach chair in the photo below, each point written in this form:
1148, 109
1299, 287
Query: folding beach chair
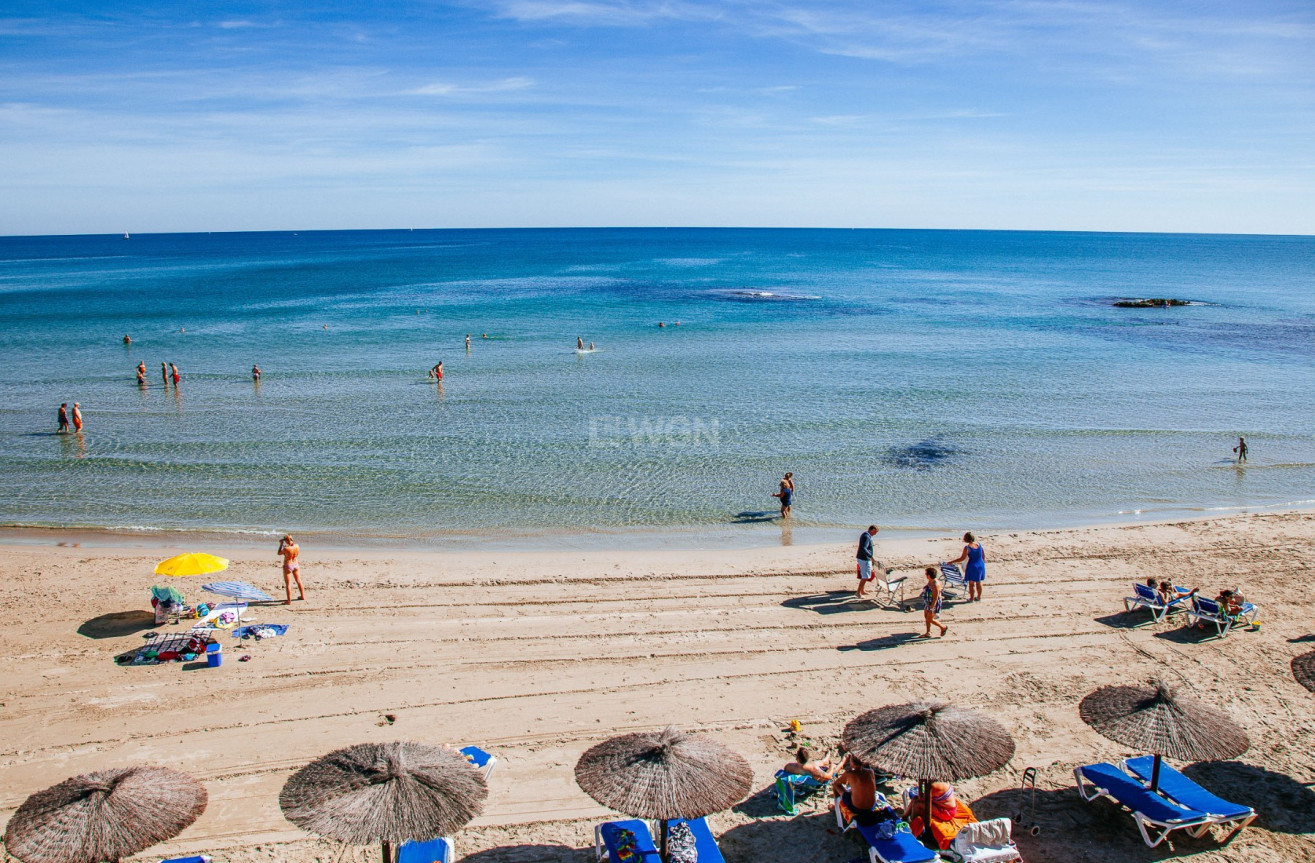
195, 858
793, 787
955, 583
1187, 794
1156, 817
890, 591
625, 842
1209, 611
984, 842
433, 851
1149, 597
481, 759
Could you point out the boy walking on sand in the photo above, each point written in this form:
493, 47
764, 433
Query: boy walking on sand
291, 568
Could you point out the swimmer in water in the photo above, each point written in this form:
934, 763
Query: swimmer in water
174, 374
485, 336
579, 343
661, 324
255, 373
141, 375
127, 339
467, 341
591, 346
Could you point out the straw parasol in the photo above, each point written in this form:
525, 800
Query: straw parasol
1155, 718
664, 775
385, 792
930, 741
1303, 668
103, 816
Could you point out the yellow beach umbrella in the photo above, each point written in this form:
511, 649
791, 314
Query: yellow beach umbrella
192, 563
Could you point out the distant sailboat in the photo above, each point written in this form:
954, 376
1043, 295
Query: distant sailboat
125, 235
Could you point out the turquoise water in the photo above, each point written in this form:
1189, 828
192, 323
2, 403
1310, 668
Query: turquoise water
921, 379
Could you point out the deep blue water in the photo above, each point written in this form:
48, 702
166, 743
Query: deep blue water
939, 379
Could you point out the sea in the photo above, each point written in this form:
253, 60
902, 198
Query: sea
928, 381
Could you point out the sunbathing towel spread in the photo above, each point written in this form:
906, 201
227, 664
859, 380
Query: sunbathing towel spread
261, 630
944, 826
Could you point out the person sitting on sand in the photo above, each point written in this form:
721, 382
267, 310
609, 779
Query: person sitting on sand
948, 813
291, 567
931, 603
804, 765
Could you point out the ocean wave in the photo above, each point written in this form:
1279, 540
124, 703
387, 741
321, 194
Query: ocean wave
750, 295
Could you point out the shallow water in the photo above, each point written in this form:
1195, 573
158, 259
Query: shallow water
921, 379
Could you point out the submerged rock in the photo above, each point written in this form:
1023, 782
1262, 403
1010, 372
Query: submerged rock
1152, 303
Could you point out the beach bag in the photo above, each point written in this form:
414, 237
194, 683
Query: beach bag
681, 845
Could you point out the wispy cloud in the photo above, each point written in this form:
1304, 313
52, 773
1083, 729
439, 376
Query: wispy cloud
440, 88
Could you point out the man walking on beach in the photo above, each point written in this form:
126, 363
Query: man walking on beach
63, 418
865, 559
291, 568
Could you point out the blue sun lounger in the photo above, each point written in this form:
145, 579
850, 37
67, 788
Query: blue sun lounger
792, 787
434, 851
481, 759
1186, 793
900, 848
1209, 611
704, 843
1149, 597
610, 838
1156, 817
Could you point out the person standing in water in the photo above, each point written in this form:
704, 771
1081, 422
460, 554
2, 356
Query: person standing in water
289, 550
1241, 450
164, 373
974, 572
437, 372
579, 343
77, 418
786, 494
127, 339
467, 342
63, 418
174, 374
255, 373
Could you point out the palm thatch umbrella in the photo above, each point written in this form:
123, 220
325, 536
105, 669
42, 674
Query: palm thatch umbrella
1303, 668
930, 741
1155, 718
663, 775
385, 793
103, 816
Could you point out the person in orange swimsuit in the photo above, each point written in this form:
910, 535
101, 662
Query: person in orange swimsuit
291, 567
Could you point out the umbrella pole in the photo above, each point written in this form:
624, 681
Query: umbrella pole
1155, 774
662, 847
388, 853
926, 799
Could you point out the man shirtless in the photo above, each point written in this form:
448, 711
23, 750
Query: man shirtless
291, 568
856, 786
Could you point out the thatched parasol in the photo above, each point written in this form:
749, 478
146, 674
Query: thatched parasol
1154, 718
930, 741
104, 816
664, 774
384, 792
1303, 668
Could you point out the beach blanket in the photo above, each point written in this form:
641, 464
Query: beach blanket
170, 647
261, 630
224, 616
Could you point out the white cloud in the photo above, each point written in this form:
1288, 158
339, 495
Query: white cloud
441, 88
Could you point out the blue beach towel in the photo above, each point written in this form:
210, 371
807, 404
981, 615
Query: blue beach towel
260, 630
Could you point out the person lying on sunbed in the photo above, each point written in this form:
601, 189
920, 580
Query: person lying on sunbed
805, 765
948, 813
1169, 591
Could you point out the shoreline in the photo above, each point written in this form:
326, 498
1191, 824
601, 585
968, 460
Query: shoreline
769, 534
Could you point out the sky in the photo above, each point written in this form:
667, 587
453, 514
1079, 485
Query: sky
998, 114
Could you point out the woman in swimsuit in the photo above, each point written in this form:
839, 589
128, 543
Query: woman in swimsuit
974, 573
931, 603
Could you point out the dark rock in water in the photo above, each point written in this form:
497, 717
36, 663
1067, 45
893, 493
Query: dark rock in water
1153, 303
920, 456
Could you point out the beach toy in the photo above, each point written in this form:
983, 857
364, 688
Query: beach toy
794, 725
214, 654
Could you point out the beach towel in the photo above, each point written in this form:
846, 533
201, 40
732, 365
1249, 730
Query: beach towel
261, 630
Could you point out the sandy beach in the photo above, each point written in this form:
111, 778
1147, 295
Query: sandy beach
537, 656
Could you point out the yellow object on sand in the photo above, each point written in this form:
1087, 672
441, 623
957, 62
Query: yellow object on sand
794, 725
192, 563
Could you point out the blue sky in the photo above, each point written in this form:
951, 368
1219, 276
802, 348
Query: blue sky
1175, 116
